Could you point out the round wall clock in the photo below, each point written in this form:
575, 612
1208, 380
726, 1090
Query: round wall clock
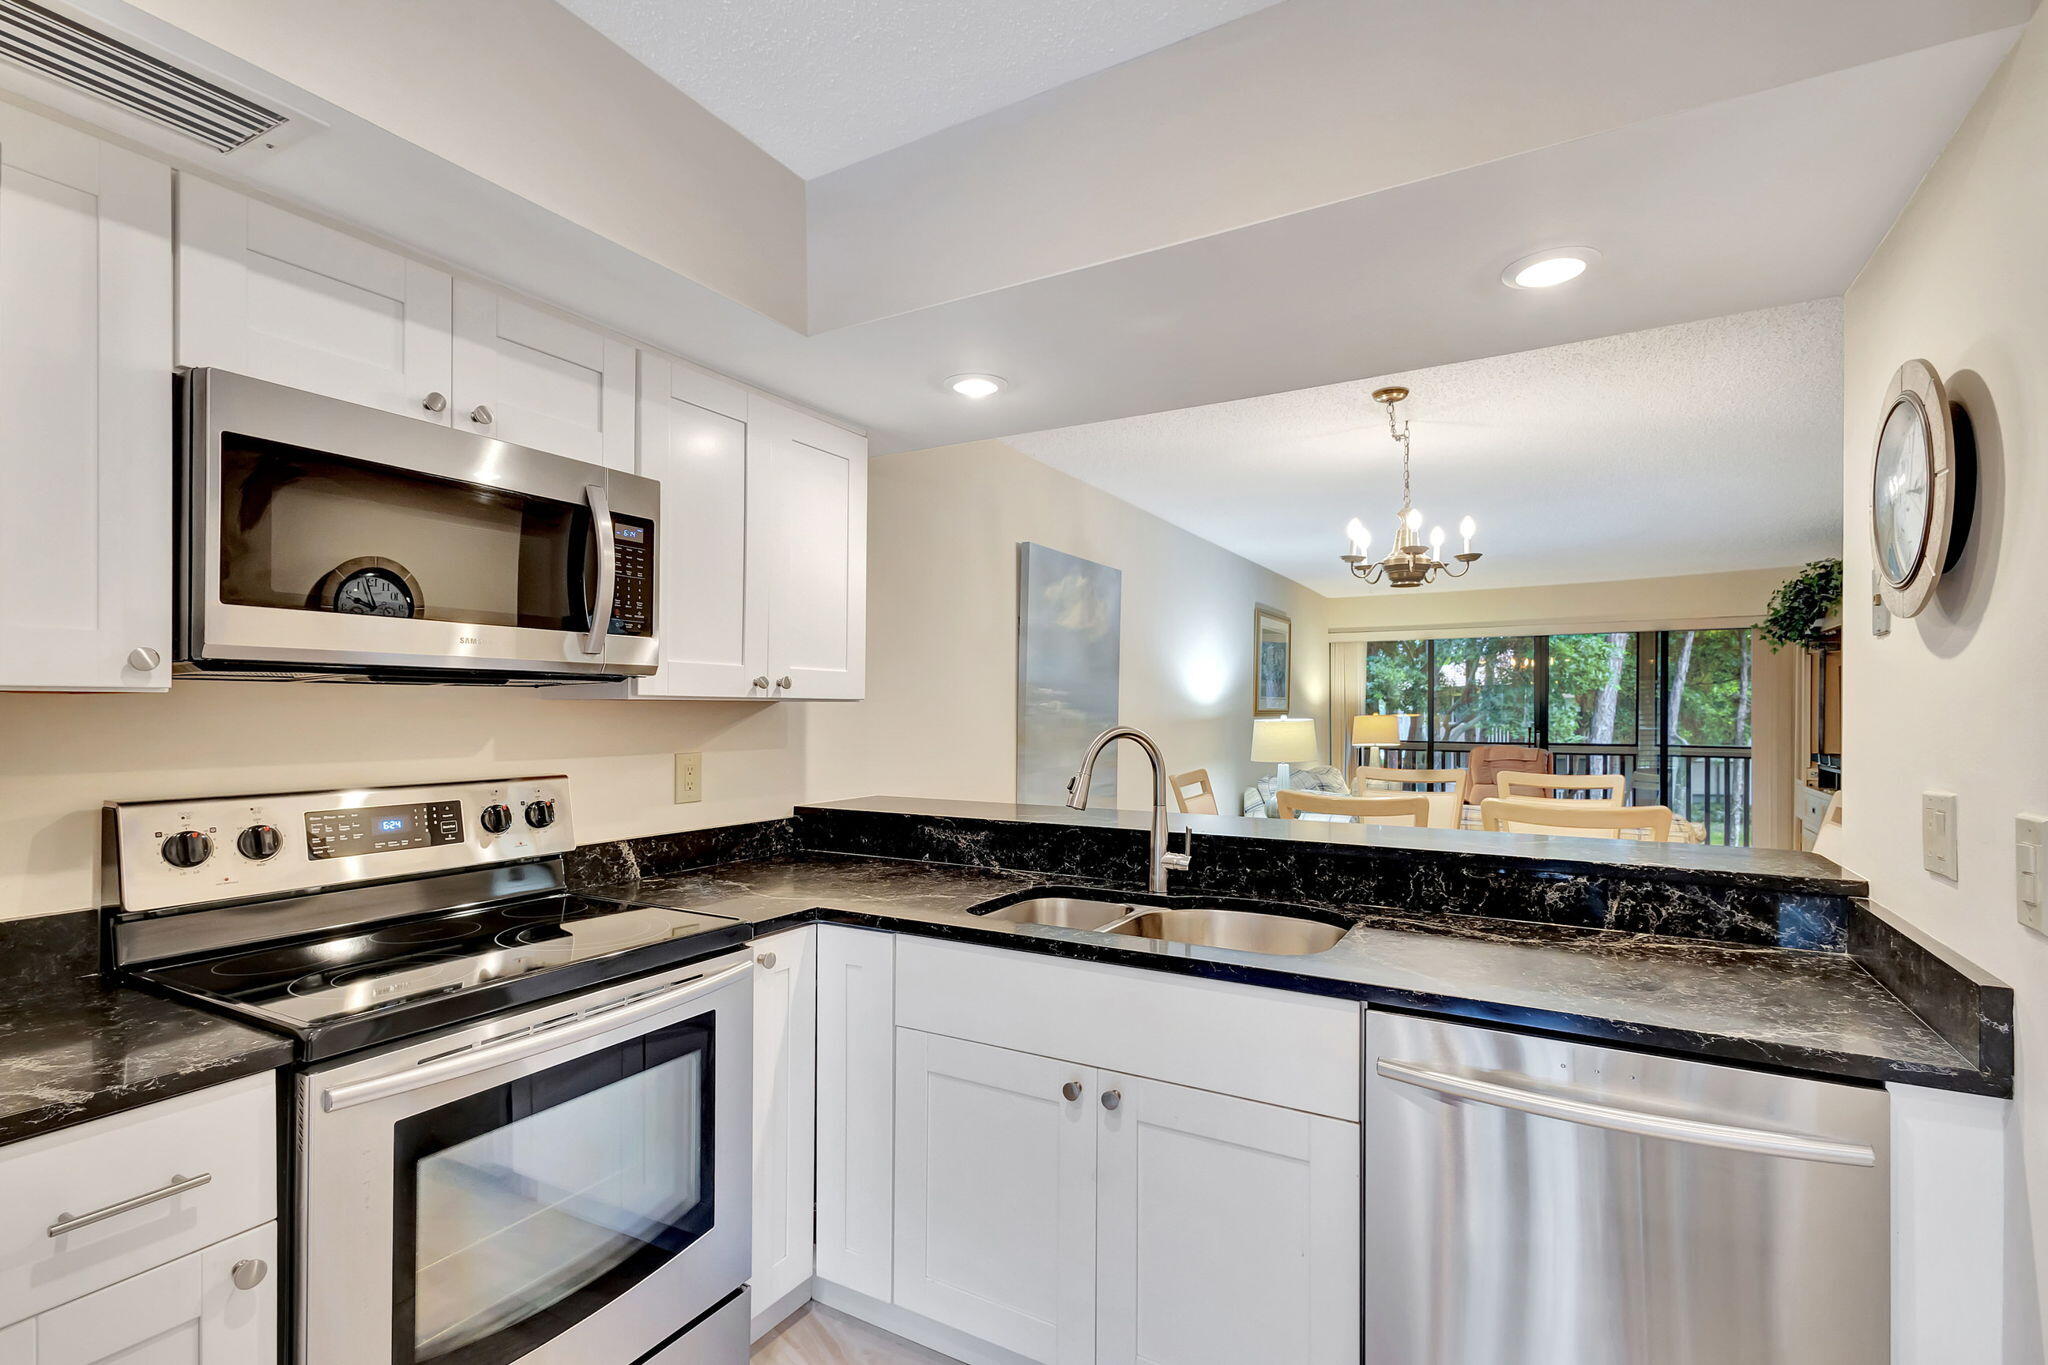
370, 587
1913, 489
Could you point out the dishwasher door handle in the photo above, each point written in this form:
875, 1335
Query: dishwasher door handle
1699, 1133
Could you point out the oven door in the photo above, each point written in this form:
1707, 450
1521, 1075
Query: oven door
320, 536
565, 1185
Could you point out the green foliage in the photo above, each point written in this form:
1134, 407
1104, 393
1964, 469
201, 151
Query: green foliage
1800, 604
1593, 689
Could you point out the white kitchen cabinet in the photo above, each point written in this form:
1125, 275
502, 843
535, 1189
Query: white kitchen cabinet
995, 1194
1226, 1230
538, 379
18, 1343
785, 1113
715, 516
85, 447
816, 482
270, 294
189, 1312
856, 1108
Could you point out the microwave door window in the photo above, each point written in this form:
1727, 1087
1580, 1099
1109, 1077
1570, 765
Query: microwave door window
303, 530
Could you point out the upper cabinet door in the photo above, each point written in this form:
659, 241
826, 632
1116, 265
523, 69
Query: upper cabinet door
537, 379
816, 564
1227, 1230
267, 293
85, 444
695, 438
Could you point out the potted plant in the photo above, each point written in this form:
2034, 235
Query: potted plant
1801, 607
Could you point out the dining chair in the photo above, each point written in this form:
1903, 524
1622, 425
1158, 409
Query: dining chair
1193, 793
1487, 761
1605, 789
1584, 819
1446, 808
1365, 810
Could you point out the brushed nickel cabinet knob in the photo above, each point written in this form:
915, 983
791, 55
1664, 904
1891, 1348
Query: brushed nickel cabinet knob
762, 682
1072, 1090
1112, 1098
248, 1274
435, 402
481, 415
784, 683
767, 961
142, 658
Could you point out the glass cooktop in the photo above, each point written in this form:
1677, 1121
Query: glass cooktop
306, 985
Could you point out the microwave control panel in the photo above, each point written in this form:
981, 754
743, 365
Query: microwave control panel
633, 599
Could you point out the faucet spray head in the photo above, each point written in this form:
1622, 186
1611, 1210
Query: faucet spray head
1077, 795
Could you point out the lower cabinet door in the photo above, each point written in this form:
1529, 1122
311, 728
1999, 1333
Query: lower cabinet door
1228, 1230
192, 1311
785, 1112
995, 1195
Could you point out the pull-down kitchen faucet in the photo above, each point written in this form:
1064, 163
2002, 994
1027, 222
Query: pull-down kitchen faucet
1158, 860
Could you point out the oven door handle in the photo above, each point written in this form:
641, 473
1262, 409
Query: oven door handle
602, 531
484, 1056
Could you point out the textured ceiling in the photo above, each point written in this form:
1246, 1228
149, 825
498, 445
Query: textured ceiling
1695, 448
819, 87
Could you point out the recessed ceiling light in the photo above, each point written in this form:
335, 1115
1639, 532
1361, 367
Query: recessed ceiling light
1547, 269
977, 385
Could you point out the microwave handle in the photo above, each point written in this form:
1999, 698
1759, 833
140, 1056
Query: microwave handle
607, 567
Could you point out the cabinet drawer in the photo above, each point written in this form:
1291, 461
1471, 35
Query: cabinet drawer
227, 1133
1301, 1051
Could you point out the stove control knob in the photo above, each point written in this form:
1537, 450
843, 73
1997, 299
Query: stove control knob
187, 848
540, 814
496, 819
259, 842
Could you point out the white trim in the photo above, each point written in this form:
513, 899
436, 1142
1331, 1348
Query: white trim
780, 1311
915, 1327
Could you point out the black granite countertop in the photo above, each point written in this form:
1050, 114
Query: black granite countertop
1815, 1013
74, 1048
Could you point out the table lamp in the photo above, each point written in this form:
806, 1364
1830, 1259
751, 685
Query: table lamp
1284, 741
1373, 731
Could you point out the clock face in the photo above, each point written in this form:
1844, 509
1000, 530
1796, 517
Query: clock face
1901, 491
373, 592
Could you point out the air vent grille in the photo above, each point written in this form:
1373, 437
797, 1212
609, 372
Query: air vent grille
73, 55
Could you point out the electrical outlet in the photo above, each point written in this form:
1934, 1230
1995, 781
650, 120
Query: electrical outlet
1938, 833
689, 778
2028, 869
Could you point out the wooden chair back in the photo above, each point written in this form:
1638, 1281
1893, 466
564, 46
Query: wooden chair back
1366, 810
1192, 792
1581, 818
1459, 780
1608, 789
1487, 761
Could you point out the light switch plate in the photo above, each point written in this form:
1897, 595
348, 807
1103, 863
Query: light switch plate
1938, 833
2028, 869
689, 778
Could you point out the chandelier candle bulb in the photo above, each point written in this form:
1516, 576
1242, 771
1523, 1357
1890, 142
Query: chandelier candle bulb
1465, 529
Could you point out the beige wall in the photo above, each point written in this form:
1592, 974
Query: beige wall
1950, 701
61, 756
527, 96
1700, 600
940, 719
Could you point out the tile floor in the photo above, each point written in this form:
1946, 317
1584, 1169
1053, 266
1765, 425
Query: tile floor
817, 1335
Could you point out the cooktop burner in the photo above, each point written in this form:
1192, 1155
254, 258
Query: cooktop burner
310, 985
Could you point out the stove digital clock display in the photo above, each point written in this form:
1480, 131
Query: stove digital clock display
382, 829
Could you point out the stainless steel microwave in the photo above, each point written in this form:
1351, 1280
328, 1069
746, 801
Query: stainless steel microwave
322, 540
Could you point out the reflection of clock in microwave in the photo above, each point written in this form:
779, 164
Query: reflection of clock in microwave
370, 586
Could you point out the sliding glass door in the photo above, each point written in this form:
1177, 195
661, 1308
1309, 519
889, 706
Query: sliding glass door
1670, 709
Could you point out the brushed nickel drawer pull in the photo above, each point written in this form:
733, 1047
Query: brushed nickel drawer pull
179, 1184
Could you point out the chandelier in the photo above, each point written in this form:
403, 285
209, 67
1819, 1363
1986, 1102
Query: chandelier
1411, 563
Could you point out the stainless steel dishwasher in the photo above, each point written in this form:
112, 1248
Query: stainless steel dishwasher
1533, 1202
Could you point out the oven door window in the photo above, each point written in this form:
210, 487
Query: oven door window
525, 1208
304, 530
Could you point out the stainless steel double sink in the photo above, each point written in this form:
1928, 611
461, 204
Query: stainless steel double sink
1251, 931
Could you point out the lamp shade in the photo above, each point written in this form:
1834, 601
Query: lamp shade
1380, 729
1284, 741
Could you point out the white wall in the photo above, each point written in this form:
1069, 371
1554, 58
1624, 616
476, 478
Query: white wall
940, 719
1951, 700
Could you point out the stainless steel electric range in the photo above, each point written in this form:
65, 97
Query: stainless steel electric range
522, 1114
